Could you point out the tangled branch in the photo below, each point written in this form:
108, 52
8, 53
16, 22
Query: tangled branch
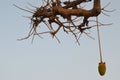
54, 11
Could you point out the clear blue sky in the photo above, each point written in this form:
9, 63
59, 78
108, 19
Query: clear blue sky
46, 59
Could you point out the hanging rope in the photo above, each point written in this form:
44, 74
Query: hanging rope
99, 44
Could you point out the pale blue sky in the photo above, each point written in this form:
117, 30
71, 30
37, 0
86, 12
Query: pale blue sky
46, 59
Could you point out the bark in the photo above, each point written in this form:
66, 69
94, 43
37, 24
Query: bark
95, 11
74, 3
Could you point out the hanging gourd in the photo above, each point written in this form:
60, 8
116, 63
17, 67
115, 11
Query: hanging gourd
102, 65
102, 68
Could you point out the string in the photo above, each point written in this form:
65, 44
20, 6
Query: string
99, 43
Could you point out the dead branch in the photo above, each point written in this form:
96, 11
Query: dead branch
55, 11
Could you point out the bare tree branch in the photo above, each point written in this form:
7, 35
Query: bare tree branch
55, 11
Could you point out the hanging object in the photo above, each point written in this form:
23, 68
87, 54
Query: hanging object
102, 68
102, 65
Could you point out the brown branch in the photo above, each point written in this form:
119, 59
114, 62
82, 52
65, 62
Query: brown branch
78, 12
53, 11
74, 4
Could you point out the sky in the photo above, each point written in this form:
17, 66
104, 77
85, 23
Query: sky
46, 59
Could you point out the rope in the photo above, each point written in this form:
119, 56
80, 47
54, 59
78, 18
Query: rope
99, 43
